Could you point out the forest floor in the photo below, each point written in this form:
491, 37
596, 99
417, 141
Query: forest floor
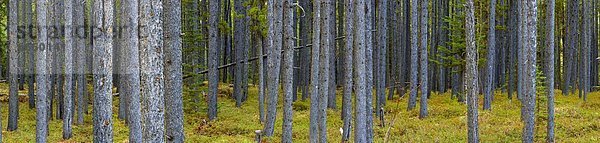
576, 121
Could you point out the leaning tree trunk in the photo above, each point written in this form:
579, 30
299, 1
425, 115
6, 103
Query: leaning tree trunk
173, 74
41, 72
13, 73
275, 38
131, 68
151, 62
472, 76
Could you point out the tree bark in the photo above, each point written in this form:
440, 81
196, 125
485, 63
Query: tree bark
550, 17
131, 68
529, 85
491, 58
68, 61
213, 56
41, 72
471, 78
173, 71
102, 69
13, 113
414, 54
361, 91
151, 62
348, 71
424, 60
274, 59
288, 70
314, 77
81, 58
382, 47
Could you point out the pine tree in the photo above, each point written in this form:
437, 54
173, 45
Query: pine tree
131, 69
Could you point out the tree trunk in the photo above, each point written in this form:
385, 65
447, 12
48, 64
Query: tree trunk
274, 59
31, 53
529, 87
348, 71
360, 132
68, 61
314, 77
491, 55
424, 60
81, 58
370, 22
131, 68
550, 68
173, 71
324, 76
102, 70
13, 62
239, 37
213, 58
414, 54
382, 47
472, 76
288, 70
41, 72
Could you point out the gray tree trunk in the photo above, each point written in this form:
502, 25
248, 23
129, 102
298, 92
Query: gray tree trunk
324, 76
587, 35
414, 54
213, 56
382, 47
529, 85
472, 76
68, 61
360, 72
370, 24
131, 68
173, 71
424, 60
13, 62
31, 53
81, 58
550, 17
491, 57
102, 21
314, 75
512, 46
348, 71
288, 70
42, 72
331, 88
151, 62
275, 38
239, 38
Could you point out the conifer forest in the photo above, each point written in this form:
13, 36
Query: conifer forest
308, 71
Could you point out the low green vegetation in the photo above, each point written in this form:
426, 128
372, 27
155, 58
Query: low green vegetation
576, 121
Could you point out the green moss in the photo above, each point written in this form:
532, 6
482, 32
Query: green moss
576, 121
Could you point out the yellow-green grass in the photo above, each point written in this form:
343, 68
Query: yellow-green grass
576, 121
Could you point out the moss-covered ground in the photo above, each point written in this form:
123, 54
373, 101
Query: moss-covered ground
576, 121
